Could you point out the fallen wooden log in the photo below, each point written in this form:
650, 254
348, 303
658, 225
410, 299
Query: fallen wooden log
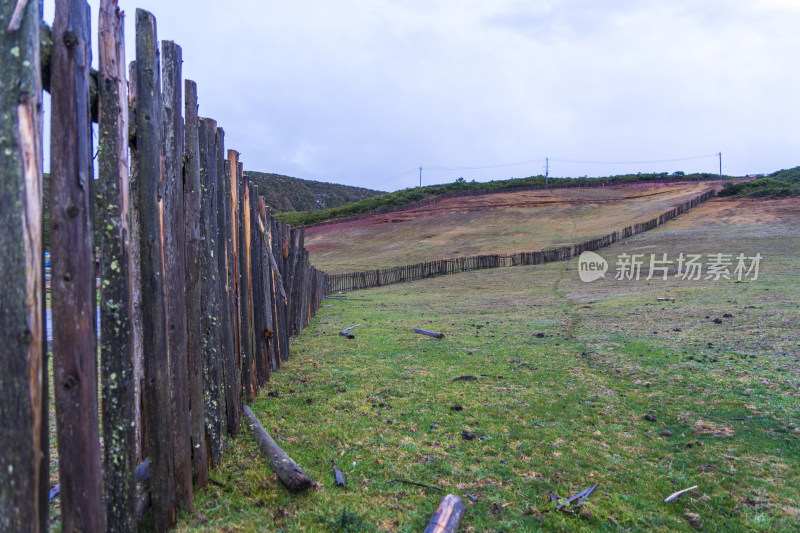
447, 516
287, 470
429, 333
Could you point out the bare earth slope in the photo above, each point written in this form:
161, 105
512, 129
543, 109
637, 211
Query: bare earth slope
495, 223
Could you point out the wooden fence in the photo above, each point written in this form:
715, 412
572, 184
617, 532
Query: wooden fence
200, 288
352, 281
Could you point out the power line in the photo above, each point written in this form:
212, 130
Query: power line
409, 171
537, 160
546, 161
560, 160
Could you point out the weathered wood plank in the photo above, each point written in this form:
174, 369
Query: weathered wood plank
135, 267
23, 367
228, 343
245, 340
266, 281
193, 247
175, 265
276, 287
73, 275
259, 302
156, 387
233, 377
232, 194
283, 305
116, 348
209, 272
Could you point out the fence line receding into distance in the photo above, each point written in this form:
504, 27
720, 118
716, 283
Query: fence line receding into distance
351, 281
200, 288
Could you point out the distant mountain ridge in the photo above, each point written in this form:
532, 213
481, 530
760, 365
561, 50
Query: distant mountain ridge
284, 193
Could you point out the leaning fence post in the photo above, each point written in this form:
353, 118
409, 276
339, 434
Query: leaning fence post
73, 271
156, 390
116, 347
23, 368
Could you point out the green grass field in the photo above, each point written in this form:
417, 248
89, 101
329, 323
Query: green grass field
566, 372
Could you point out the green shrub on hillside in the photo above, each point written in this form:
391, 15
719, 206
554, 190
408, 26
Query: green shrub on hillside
284, 193
780, 184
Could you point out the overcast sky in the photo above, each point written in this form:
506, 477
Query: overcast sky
362, 92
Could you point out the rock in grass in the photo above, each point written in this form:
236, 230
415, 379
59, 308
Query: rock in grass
694, 519
666, 433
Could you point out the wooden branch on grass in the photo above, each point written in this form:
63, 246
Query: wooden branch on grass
429, 333
675, 495
447, 516
407, 482
288, 471
346, 332
579, 498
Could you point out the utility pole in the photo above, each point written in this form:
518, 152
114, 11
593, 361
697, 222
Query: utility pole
546, 169
420, 176
720, 163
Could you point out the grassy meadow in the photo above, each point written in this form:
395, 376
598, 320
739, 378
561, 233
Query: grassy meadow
566, 373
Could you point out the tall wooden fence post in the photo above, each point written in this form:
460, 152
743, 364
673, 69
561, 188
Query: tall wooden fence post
194, 292
23, 368
232, 195
233, 380
116, 348
73, 271
156, 389
175, 265
135, 267
245, 344
214, 401
227, 341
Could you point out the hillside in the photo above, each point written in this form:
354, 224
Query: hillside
284, 193
498, 223
407, 197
